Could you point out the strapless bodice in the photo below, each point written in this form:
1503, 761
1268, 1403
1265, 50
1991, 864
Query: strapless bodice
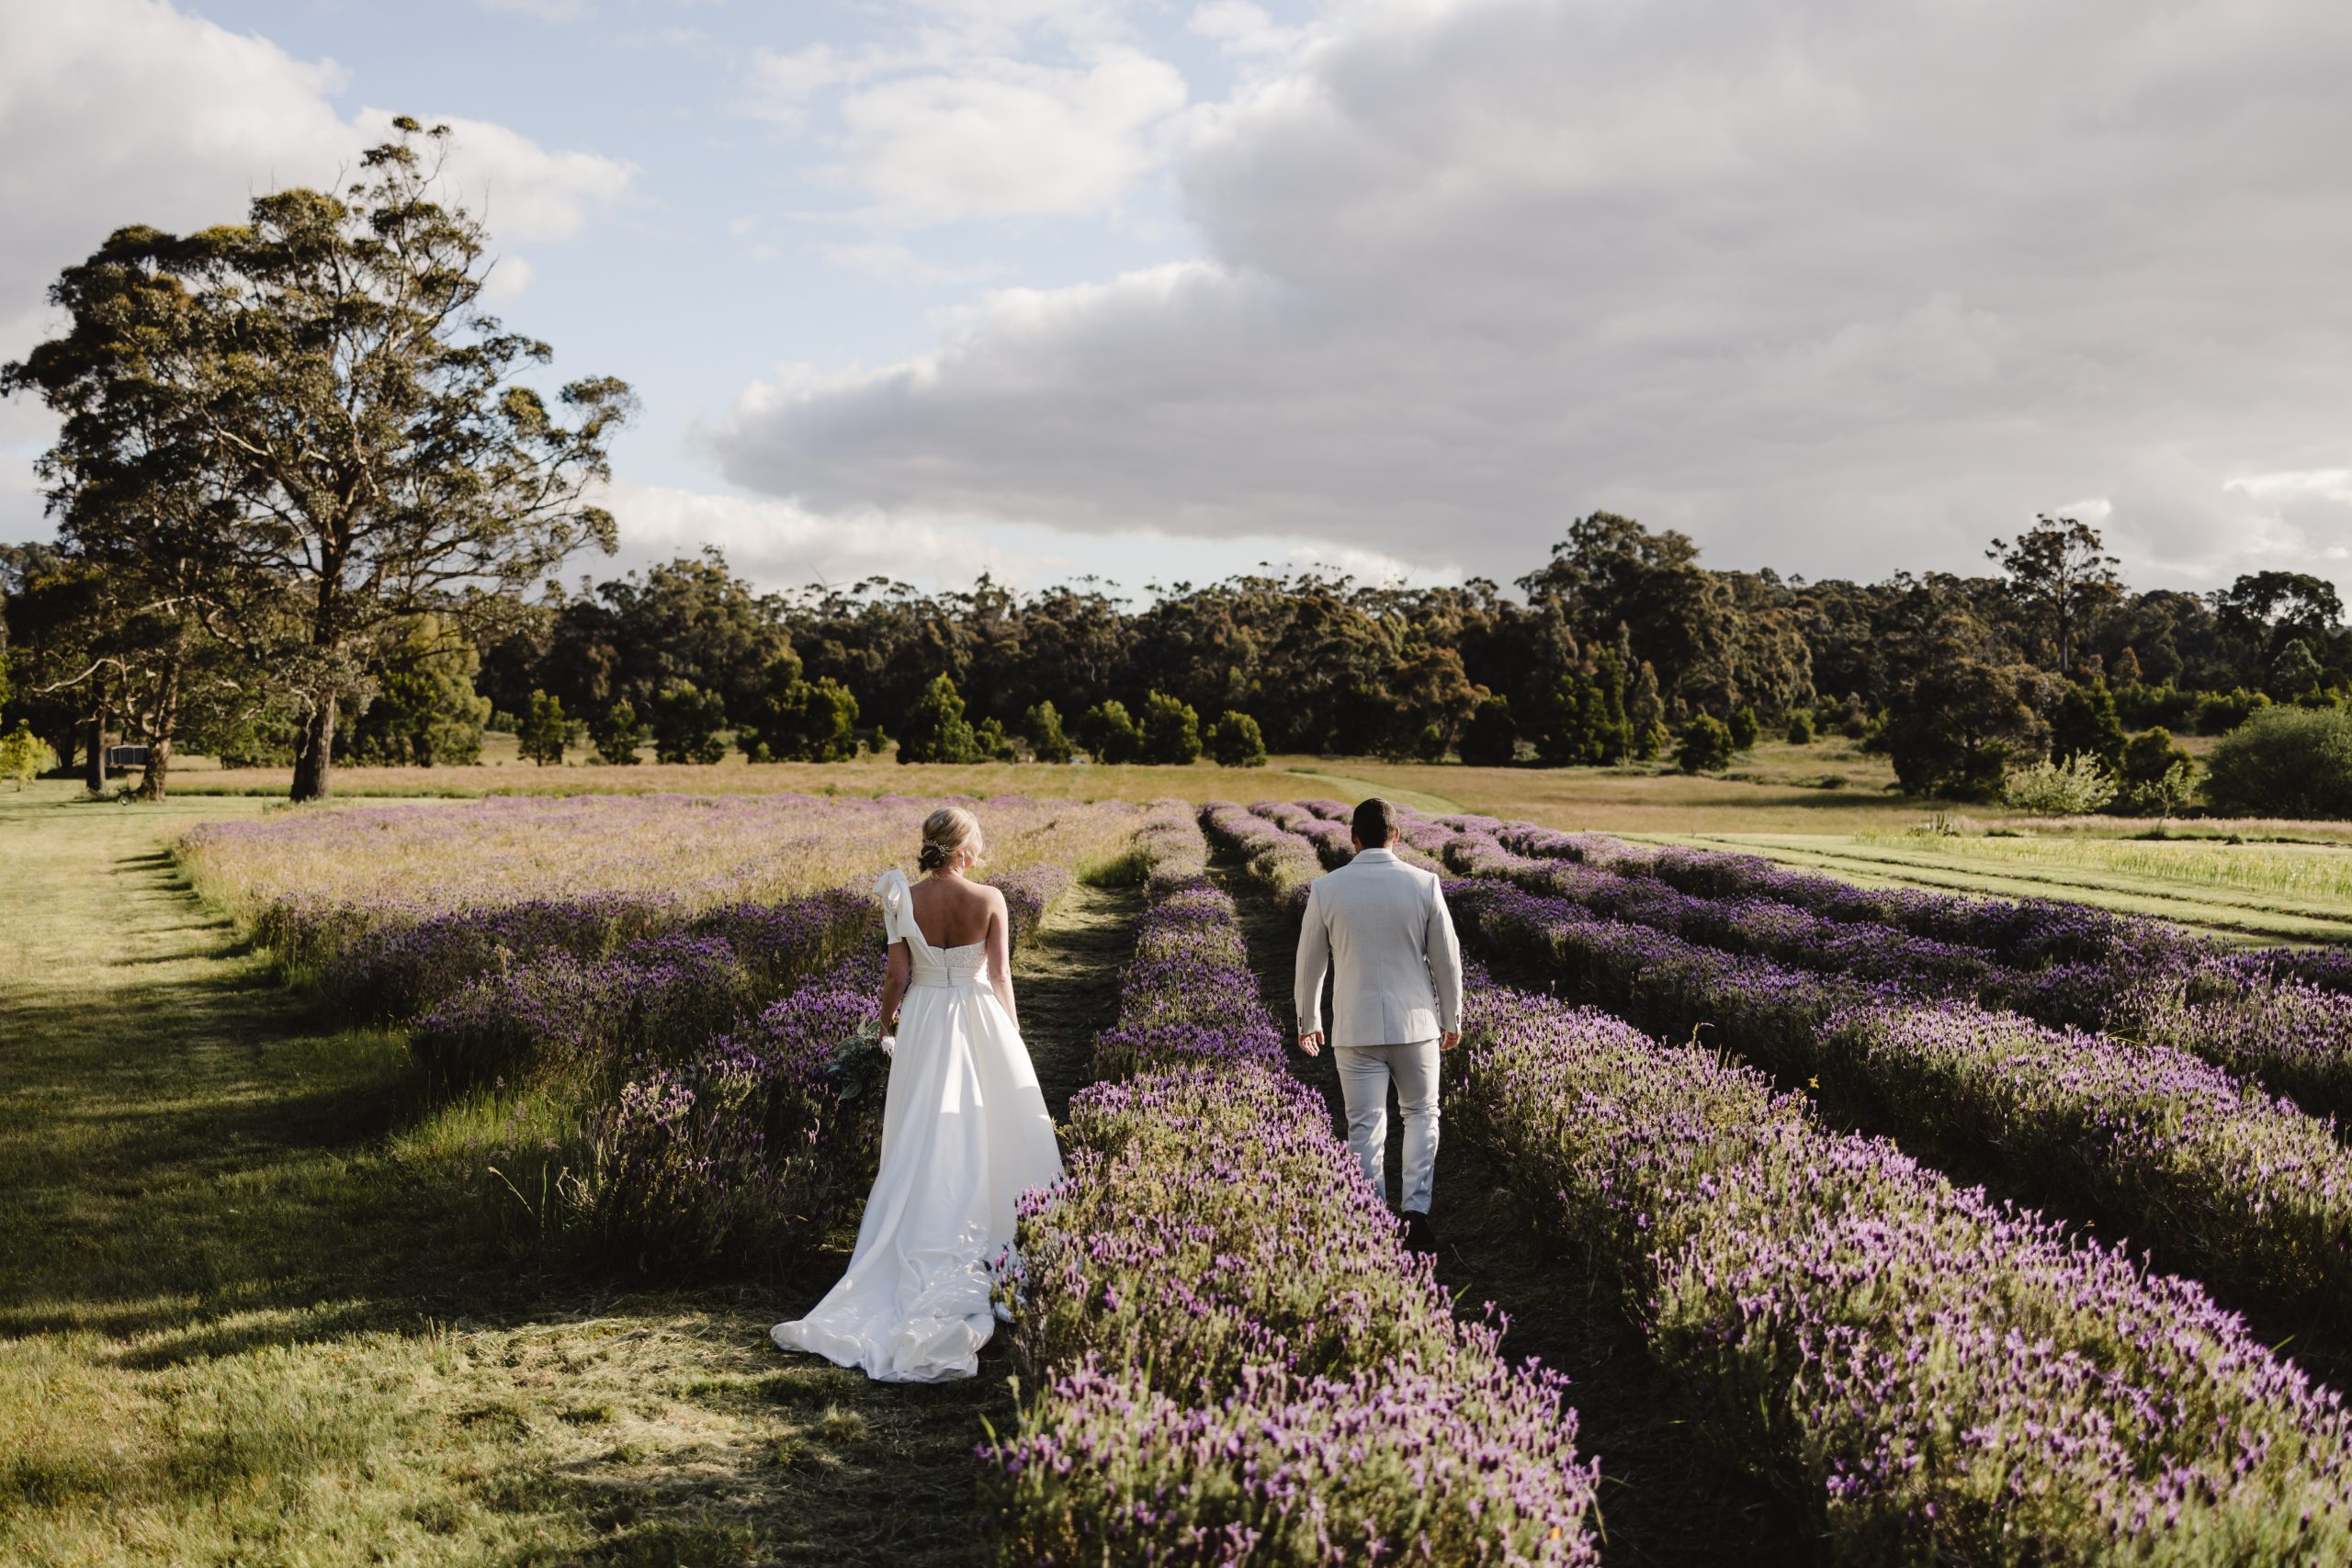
955, 968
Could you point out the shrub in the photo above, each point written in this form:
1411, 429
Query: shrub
2166, 796
2284, 762
990, 742
1109, 735
2085, 725
1800, 727
24, 755
2150, 755
1172, 730
1705, 747
2072, 788
617, 734
2218, 713
544, 730
1235, 742
2295, 673
1040, 727
800, 721
686, 721
1492, 739
935, 729
1743, 727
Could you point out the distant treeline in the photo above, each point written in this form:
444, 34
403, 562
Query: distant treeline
1620, 647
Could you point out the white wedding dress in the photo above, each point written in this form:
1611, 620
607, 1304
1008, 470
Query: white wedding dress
965, 1133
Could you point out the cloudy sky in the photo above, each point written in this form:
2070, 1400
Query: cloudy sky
1158, 289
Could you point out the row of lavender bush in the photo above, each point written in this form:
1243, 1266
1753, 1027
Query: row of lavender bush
2240, 1188
1284, 846
1931, 1378
2176, 990
1281, 863
1235, 1361
663, 997
730, 1143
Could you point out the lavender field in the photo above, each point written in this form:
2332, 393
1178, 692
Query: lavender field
1922, 1228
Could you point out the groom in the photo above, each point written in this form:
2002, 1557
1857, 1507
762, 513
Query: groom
1396, 1004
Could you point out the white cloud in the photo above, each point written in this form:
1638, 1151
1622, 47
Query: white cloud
1837, 287
520, 190
776, 545
122, 111
784, 85
541, 10
1005, 139
888, 262
1241, 29
2325, 484
510, 277
979, 109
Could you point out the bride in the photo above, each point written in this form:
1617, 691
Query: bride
965, 1131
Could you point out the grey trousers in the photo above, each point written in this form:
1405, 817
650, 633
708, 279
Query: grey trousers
1364, 1074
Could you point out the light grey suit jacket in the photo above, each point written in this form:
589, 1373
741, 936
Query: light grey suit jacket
1382, 925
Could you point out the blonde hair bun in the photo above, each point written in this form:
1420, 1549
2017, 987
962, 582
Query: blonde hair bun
949, 834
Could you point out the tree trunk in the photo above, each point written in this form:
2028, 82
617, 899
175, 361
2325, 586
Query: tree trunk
95, 776
162, 722
159, 763
314, 752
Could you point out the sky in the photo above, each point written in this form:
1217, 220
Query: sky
1159, 291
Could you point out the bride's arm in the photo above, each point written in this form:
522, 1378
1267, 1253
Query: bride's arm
1000, 958
893, 985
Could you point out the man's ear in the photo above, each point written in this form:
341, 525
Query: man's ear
1355, 843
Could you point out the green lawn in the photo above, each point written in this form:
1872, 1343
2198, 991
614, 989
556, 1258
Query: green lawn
248, 1315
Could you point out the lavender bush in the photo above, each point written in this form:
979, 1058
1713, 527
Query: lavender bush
1277, 861
661, 999
1931, 1378
746, 1154
2242, 1189
2251, 1013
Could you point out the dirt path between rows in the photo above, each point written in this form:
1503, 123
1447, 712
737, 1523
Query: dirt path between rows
1067, 985
1666, 1499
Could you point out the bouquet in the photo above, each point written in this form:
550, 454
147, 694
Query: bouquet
860, 1067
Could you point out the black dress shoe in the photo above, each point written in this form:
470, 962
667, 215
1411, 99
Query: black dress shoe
1419, 1234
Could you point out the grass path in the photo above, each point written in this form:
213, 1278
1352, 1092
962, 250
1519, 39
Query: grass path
1067, 982
1666, 1500
239, 1324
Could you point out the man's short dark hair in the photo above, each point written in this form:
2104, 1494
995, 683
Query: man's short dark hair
1375, 823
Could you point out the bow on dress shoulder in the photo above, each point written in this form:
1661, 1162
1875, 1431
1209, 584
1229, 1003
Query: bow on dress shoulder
897, 901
